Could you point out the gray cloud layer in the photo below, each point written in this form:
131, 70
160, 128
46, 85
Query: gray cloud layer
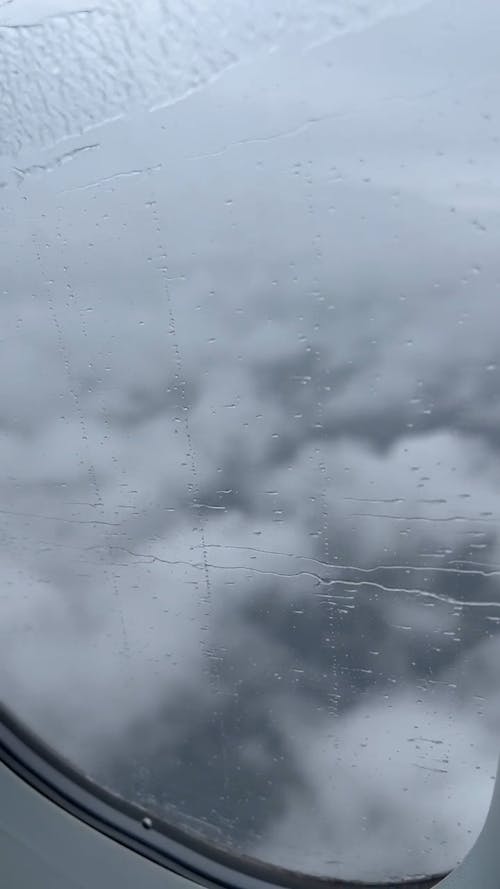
249, 412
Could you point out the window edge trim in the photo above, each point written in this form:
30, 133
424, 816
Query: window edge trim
146, 834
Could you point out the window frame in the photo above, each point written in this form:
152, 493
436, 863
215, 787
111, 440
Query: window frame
175, 849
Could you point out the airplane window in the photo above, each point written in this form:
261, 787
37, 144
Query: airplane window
250, 416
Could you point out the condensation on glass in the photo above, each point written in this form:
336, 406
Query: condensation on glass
250, 416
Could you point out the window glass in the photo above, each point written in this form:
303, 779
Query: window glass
249, 410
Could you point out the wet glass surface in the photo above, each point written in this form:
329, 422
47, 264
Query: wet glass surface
249, 411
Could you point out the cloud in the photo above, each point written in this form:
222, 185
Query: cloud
389, 775
248, 404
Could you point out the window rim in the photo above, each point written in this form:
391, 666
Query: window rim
174, 848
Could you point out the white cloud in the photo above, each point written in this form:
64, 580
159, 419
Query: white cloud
304, 393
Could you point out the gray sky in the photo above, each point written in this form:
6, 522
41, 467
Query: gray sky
249, 403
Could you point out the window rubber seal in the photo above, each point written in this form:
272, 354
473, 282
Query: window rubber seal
148, 835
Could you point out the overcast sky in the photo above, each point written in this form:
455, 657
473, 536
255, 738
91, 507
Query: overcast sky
249, 412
